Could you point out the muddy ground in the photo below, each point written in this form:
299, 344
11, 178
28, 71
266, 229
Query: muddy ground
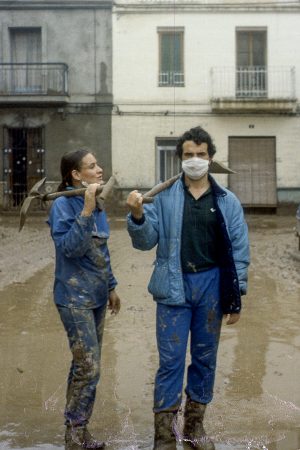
257, 395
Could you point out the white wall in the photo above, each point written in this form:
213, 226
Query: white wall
209, 41
134, 152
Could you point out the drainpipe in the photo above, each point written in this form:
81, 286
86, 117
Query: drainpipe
95, 54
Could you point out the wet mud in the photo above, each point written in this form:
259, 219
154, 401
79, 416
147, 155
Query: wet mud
257, 396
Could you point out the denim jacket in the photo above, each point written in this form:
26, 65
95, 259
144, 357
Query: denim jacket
163, 226
83, 275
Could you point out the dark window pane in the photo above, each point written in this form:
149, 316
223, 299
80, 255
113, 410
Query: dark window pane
171, 59
251, 48
259, 49
171, 47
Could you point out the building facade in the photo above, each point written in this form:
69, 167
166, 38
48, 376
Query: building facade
230, 66
55, 89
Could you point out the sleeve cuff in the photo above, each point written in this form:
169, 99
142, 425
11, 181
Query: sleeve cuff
138, 221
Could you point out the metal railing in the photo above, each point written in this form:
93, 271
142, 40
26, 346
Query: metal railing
253, 82
33, 79
171, 79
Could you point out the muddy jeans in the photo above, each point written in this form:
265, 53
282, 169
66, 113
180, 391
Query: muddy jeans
84, 328
201, 315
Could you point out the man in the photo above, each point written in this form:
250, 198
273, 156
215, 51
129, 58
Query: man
200, 274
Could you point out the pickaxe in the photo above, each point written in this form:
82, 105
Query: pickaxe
37, 191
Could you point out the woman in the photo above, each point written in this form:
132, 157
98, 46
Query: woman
84, 284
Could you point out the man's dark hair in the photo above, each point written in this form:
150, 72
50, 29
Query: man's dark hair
199, 136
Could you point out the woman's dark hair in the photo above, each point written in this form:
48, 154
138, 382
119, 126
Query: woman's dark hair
199, 136
70, 161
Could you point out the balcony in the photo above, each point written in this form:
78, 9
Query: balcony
171, 78
34, 83
253, 89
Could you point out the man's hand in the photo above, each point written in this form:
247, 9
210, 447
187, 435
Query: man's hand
114, 302
135, 204
232, 318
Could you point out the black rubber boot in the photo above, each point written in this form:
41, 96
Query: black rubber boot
80, 437
194, 435
164, 438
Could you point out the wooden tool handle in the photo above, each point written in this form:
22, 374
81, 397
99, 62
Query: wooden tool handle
70, 193
162, 186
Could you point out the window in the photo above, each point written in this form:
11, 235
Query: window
171, 71
251, 70
26, 51
168, 163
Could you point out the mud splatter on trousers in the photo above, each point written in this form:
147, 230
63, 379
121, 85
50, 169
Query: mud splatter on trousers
201, 316
84, 328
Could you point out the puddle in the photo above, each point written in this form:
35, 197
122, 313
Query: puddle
257, 397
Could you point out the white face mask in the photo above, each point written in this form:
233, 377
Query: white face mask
195, 168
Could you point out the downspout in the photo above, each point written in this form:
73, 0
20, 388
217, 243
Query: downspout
95, 56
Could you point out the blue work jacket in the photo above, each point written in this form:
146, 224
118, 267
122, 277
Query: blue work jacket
83, 275
163, 227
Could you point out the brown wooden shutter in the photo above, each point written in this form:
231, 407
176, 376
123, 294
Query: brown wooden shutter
254, 160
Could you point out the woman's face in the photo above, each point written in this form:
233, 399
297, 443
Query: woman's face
89, 171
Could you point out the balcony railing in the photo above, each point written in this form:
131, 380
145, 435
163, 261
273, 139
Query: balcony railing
171, 79
253, 82
33, 79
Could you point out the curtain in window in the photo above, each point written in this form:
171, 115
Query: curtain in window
26, 48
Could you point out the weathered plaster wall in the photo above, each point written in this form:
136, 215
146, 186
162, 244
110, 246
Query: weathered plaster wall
79, 38
80, 35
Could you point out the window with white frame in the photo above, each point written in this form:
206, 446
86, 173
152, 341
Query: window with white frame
168, 164
251, 62
171, 71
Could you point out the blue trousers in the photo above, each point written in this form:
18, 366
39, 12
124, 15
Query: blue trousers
84, 328
201, 316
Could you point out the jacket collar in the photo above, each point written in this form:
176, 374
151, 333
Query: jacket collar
217, 190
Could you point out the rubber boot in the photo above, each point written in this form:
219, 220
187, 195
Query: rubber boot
79, 437
194, 435
164, 438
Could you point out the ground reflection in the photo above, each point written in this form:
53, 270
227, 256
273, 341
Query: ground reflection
256, 394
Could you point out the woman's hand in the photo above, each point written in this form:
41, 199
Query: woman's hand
114, 302
89, 200
135, 204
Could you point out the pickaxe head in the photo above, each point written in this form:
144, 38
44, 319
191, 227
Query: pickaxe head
36, 192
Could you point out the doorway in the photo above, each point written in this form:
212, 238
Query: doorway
23, 163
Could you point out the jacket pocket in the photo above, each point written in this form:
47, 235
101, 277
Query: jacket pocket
159, 284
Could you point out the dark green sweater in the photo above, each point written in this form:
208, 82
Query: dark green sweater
200, 232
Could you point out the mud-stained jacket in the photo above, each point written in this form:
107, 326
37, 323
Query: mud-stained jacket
83, 275
163, 226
